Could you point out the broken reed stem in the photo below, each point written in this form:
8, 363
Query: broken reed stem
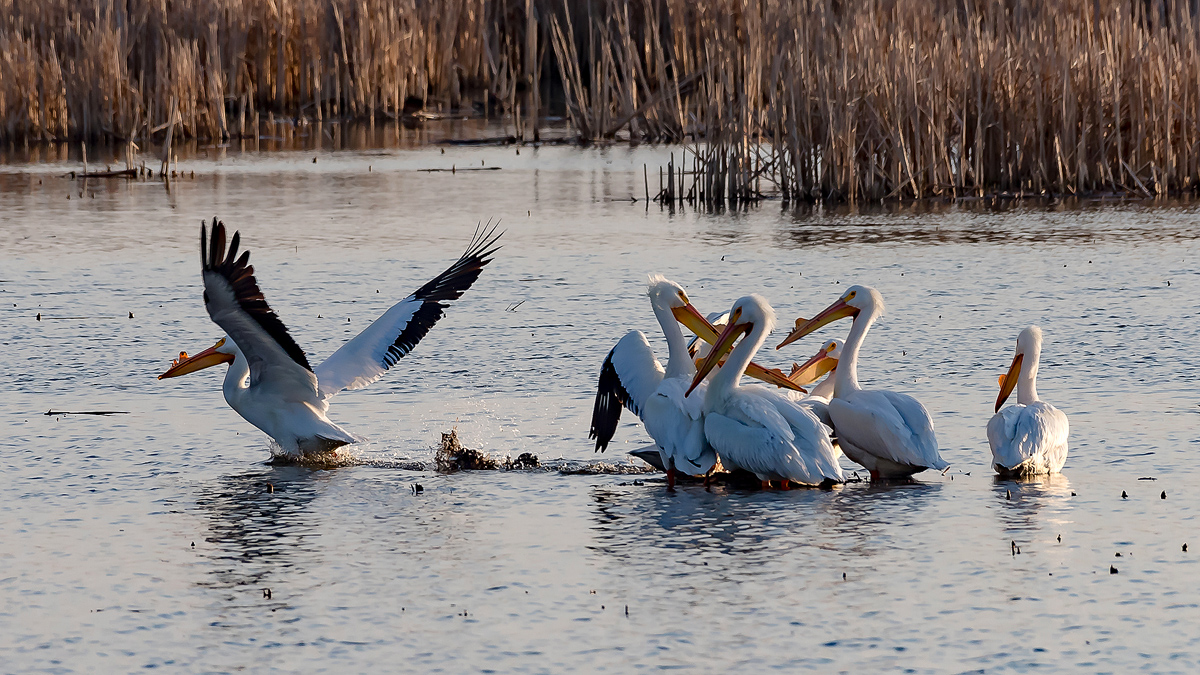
811, 99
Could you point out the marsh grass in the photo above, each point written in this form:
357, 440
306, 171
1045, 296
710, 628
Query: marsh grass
831, 100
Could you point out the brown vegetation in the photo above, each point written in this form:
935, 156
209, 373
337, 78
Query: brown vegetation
815, 99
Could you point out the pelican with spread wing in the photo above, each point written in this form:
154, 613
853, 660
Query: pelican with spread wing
632, 378
270, 382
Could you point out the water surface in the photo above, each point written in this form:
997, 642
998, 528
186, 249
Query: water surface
150, 539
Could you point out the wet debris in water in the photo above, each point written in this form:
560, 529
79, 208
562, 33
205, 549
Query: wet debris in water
843, 576
1073, 493
1124, 495
1112, 569
1163, 495
267, 593
1015, 549
451, 456
1185, 548
1118, 554
1008, 494
1060, 538
525, 460
1147, 478
417, 488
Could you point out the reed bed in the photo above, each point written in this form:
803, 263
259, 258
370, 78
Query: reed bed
854, 100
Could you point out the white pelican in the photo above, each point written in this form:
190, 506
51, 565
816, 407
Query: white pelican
1028, 438
890, 434
817, 398
632, 377
269, 381
755, 428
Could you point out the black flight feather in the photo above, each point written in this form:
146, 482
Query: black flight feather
449, 285
240, 275
611, 396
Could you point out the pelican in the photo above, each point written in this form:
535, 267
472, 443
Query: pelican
817, 398
890, 434
270, 382
755, 428
632, 377
1028, 438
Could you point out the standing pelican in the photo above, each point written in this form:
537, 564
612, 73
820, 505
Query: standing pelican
756, 428
269, 381
632, 377
890, 434
1028, 438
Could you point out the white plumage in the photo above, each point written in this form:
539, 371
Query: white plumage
755, 428
890, 434
269, 381
1028, 438
632, 377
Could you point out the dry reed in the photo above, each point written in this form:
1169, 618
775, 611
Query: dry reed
814, 99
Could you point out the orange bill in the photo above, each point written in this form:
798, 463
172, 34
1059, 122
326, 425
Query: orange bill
1008, 381
189, 364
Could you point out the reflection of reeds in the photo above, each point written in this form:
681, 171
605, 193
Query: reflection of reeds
816, 99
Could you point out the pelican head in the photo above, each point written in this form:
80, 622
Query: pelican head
856, 300
1029, 344
824, 361
748, 314
222, 352
669, 296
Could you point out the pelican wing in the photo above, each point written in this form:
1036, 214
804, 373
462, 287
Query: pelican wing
1034, 434
236, 304
766, 434
676, 423
628, 378
368, 355
887, 424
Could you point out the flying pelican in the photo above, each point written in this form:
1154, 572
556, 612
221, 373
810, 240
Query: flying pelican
890, 434
632, 377
269, 381
755, 428
1028, 438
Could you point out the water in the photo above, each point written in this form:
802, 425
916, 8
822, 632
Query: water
150, 539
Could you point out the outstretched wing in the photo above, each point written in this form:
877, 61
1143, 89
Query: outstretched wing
367, 356
628, 378
236, 304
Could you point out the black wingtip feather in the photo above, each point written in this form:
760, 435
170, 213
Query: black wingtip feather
240, 275
447, 286
611, 397
451, 284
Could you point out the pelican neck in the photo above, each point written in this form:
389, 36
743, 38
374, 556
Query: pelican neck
679, 362
847, 371
1027, 378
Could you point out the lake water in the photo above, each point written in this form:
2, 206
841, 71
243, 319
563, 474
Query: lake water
151, 539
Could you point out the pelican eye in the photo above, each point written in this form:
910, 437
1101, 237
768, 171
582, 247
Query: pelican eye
850, 295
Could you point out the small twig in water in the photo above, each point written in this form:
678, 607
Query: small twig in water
86, 412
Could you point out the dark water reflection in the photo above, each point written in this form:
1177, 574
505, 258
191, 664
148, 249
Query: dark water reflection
260, 525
